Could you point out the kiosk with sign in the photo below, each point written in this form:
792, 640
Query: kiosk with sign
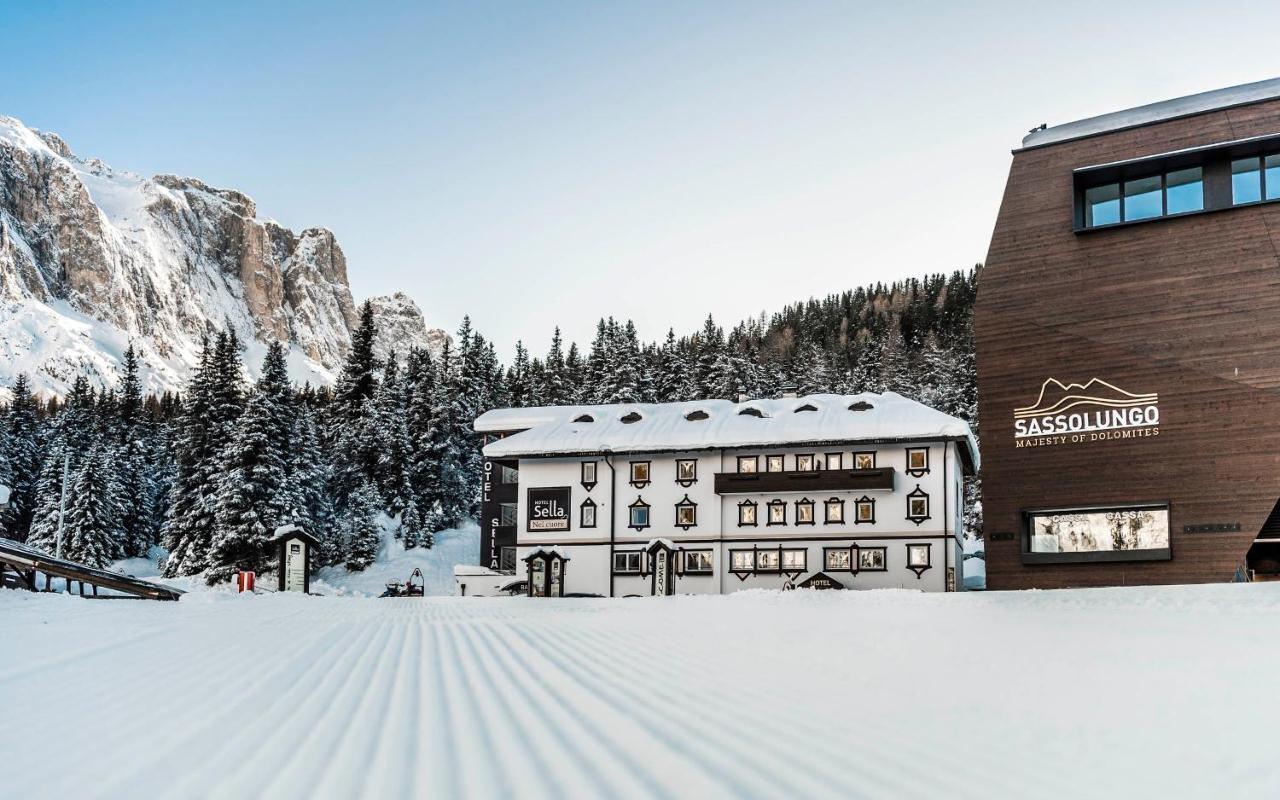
546, 572
294, 547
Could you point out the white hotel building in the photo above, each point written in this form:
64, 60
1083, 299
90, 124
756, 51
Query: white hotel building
858, 492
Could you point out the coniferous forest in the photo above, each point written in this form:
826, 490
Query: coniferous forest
209, 473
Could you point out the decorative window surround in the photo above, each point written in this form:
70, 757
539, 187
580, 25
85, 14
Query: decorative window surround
640, 474
747, 514
917, 505
638, 515
587, 514
804, 512
919, 558
686, 513
686, 471
777, 512
917, 461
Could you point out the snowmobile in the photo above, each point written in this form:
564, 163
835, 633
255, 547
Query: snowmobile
414, 587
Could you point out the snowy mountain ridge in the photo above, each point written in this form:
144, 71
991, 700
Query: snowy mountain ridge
93, 258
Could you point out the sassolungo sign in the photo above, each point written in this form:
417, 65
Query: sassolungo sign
1070, 413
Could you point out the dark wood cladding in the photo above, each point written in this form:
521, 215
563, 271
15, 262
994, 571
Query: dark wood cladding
1186, 307
826, 480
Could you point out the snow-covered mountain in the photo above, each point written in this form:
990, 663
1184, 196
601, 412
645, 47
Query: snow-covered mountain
93, 258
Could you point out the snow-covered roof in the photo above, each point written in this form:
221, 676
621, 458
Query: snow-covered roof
1156, 112
665, 427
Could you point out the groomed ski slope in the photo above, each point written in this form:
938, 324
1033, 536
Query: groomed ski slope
1162, 692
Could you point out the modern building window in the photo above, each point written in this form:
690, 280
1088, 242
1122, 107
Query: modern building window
742, 560
587, 514
864, 510
639, 474
777, 512
917, 461
1102, 205
748, 465
626, 563
768, 561
871, 559
1271, 176
918, 556
507, 475
639, 514
796, 560
804, 512
747, 513
588, 474
1184, 191
686, 513
773, 464
917, 506
806, 463
1246, 180
507, 559
835, 461
686, 471
1142, 198
838, 559
508, 514
697, 562
864, 460
835, 511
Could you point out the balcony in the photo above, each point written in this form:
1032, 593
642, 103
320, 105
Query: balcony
825, 480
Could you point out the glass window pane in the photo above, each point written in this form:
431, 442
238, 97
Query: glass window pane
1246, 181
1102, 205
1184, 191
1142, 198
1272, 166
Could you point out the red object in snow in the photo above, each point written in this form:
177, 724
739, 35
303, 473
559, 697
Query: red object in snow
244, 581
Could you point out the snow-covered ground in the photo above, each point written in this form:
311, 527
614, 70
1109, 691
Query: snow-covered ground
1154, 692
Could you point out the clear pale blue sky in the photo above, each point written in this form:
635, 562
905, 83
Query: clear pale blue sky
542, 163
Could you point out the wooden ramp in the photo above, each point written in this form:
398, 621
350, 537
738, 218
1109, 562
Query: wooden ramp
21, 566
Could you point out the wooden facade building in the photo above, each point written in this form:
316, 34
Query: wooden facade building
1128, 345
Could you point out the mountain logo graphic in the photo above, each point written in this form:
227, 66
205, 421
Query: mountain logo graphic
1057, 397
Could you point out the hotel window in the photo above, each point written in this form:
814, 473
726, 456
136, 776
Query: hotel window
917, 506
773, 464
835, 511
835, 461
639, 514
795, 560
864, 510
588, 475
507, 475
626, 563
587, 514
1177, 192
838, 559
508, 514
917, 461
864, 460
777, 512
804, 512
871, 559
697, 562
686, 513
639, 474
686, 471
806, 463
918, 558
746, 514
767, 561
748, 465
742, 560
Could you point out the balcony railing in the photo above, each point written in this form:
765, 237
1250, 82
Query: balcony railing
823, 480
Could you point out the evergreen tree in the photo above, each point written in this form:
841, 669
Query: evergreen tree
91, 529
21, 458
359, 371
364, 532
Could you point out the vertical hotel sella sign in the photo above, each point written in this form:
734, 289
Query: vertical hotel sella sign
1073, 413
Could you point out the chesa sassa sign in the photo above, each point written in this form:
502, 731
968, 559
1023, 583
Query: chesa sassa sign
1095, 411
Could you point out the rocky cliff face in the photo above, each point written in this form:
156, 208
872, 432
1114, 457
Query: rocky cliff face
92, 259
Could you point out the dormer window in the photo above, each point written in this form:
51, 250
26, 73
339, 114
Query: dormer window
806, 407
751, 412
861, 405
584, 418
696, 416
631, 418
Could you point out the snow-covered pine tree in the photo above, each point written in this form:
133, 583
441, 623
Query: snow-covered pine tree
394, 447
518, 378
364, 534
252, 490
411, 530
91, 528
308, 483
359, 372
22, 447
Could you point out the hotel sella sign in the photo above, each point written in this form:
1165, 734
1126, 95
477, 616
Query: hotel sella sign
1072, 413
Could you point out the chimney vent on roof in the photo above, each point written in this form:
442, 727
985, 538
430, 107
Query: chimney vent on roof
742, 398
789, 390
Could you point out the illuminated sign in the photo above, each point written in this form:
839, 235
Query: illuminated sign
549, 509
1099, 534
1095, 411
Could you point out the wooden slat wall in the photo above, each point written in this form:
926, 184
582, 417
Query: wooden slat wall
1188, 308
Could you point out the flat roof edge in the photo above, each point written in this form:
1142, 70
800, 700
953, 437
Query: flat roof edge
1153, 113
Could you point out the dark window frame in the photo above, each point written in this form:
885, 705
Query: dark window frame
686, 503
861, 453
776, 503
711, 563
582, 513
782, 560
826, 559
595, 474
813, 515
777, 551
884, 559
917, 472
755, 514
813, 460
639, 554
631, 473
742, 573
755, 460
826, 461
631, 520
861, 501
918, 494
920, 569
826, 511
782, 463
687, 482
